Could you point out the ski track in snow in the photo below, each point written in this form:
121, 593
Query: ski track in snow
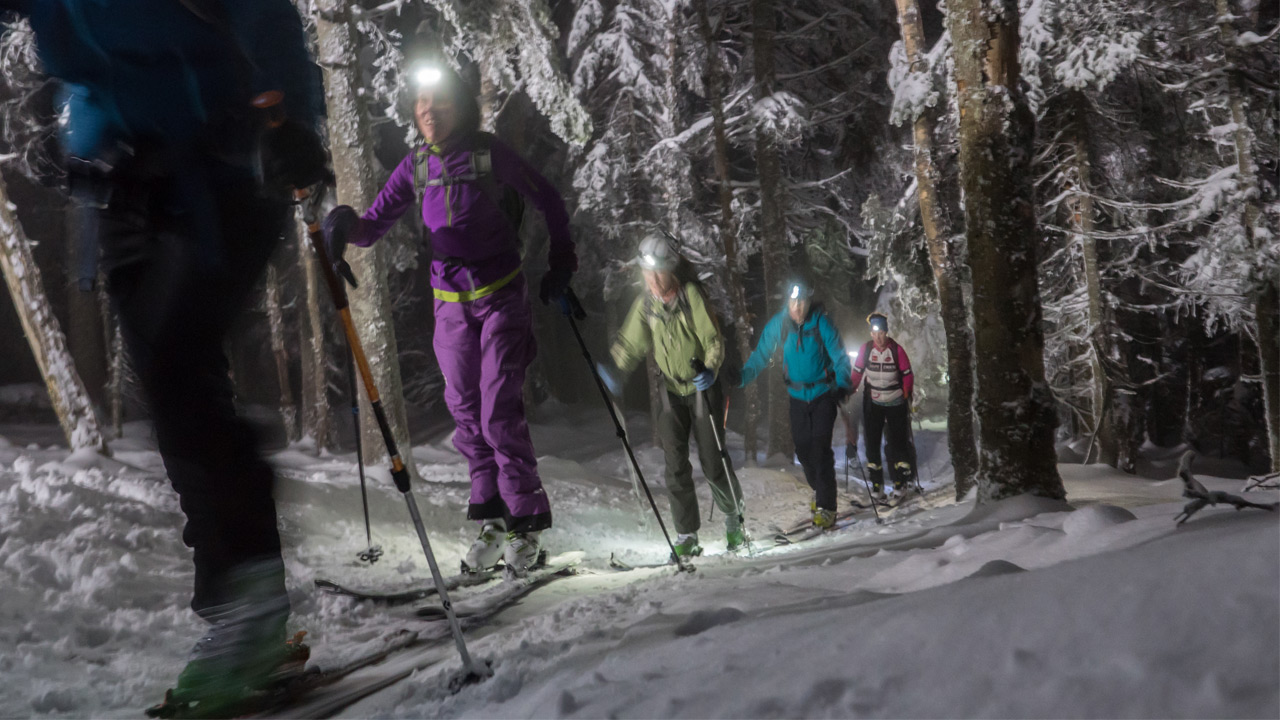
1020, 609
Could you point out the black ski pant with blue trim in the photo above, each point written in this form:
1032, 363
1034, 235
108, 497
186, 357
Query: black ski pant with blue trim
812, 425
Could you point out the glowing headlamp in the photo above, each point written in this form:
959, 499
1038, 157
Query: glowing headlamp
648, 261
795, 292
878, 327
428, 76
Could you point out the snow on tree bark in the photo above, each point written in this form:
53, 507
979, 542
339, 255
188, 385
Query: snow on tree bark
349, 146
275, 320
735, 285
773, 239
945, 258
67, 392
317, 411
1014, 408
1265, 290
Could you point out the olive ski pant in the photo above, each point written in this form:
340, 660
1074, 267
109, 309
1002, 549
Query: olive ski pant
674, 427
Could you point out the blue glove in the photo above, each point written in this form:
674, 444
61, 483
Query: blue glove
611, 378
704, 380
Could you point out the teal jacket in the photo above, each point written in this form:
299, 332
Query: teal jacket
813, 356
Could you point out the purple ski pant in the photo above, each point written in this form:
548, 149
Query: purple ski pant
484, 347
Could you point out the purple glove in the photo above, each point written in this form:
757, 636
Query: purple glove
339, 225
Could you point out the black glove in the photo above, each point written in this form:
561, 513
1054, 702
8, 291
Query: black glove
570, 306
338, 227
290, 157
841, 394
554, 285
732, 375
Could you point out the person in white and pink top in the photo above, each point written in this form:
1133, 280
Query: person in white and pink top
886, 407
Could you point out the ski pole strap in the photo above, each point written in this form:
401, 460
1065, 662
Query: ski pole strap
476, 294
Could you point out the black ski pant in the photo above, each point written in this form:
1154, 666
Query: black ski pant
894, 422
682, 417
812, 425
183, 244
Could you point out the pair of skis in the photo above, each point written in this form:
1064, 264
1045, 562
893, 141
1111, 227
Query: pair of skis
318, 693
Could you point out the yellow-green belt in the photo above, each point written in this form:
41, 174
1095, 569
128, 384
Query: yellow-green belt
482, 291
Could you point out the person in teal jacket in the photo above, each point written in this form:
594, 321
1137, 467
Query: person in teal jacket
817, 374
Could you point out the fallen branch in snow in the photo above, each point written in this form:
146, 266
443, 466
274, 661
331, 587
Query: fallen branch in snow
1263, 482
1202, 496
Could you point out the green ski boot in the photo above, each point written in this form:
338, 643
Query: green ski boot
687, 545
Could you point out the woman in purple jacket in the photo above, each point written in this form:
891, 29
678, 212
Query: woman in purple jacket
484, 330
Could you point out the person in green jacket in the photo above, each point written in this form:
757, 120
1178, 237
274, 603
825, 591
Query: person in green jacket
672, 320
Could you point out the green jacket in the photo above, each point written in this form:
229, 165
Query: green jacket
677, 332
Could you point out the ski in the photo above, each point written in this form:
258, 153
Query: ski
623, 566
453, 582
288, 691
483, 608
807, 525
848, 520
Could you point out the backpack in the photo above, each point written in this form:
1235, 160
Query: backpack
508, 200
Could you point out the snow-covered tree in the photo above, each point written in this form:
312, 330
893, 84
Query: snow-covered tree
1014, 408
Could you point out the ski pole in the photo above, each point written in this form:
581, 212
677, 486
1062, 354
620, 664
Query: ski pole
915, 457
848, 430
622, 434
311, 200
730, 475
371, 553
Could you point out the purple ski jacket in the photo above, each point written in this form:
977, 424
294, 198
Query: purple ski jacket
473, 243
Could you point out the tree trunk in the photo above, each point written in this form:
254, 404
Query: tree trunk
944, 257
86, 336
317, 411
1015, 410
1264, 290
1267, 313
714, 78
275, 319
67, 393
115, 383
349, 143
1102, 410
773, 239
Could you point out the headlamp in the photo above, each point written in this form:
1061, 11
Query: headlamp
427, 76
877, 327
795, 292
648, 261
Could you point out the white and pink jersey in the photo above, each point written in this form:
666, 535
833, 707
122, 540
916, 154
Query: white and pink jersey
888, 372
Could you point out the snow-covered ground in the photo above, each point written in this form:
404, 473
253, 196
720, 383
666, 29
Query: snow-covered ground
1025, 608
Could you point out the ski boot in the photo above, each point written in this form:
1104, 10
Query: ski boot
242, 658
823, 518
877, 494
735, 539
522, 554
687, 545
487, 548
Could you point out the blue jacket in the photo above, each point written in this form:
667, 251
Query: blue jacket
152, 70
813, 356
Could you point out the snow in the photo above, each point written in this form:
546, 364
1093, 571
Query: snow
1022, 608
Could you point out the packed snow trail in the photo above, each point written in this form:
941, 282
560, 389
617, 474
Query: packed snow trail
1018, 609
